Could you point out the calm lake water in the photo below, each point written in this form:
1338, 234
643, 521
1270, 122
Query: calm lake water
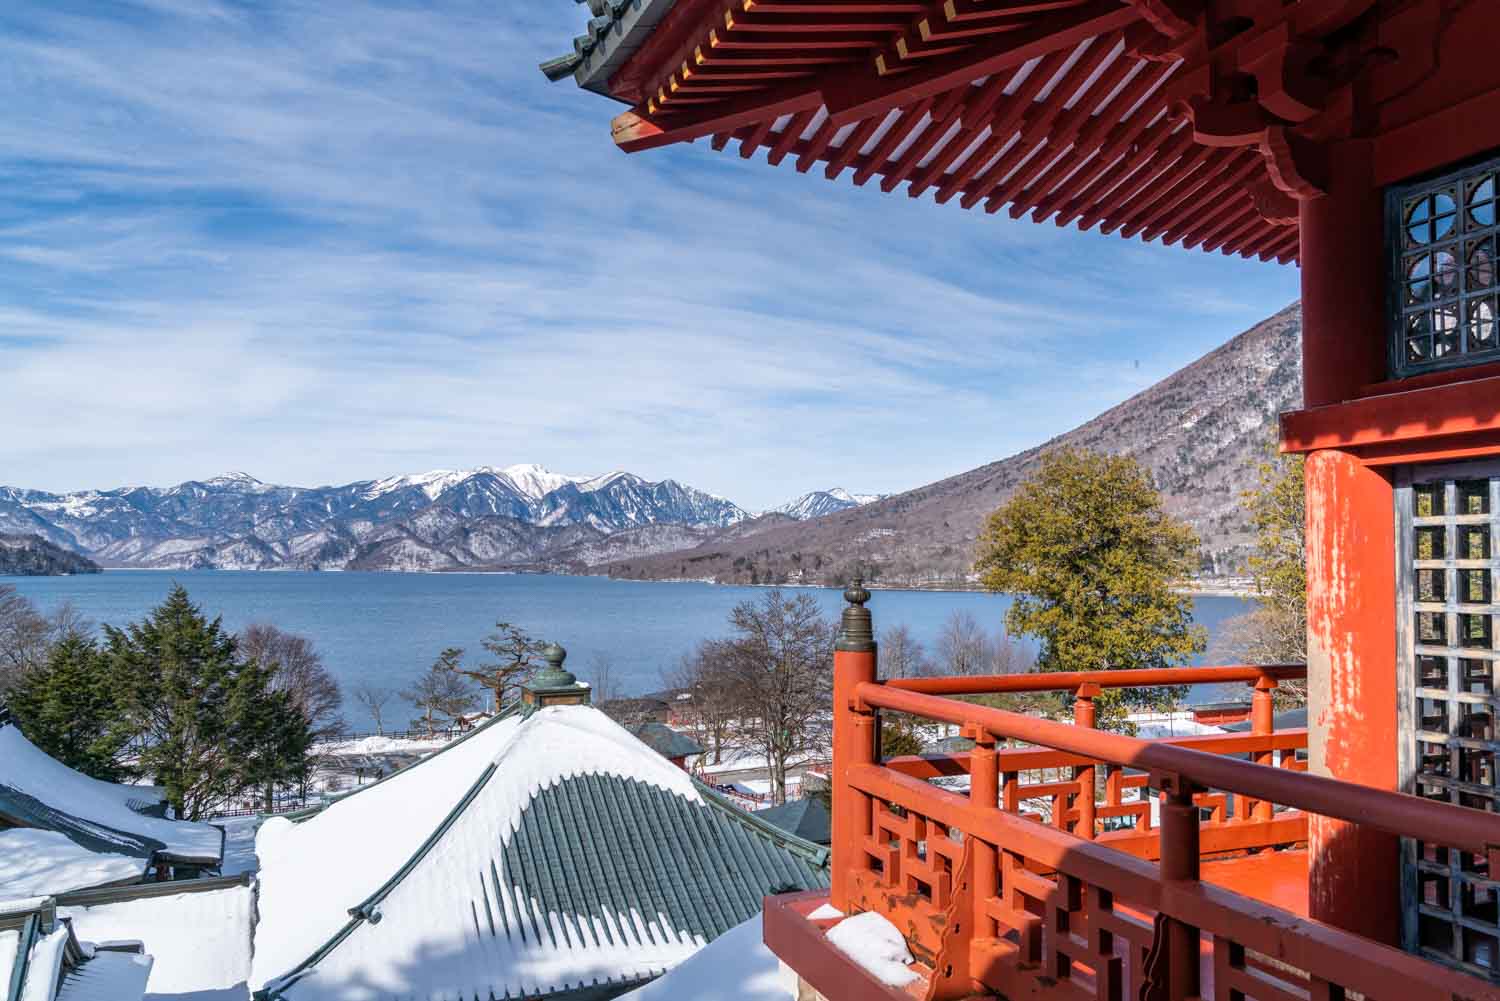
388, 627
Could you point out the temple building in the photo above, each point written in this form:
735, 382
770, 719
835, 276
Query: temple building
61, 830
1359, 139
547, 854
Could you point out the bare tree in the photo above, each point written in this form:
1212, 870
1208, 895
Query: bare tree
963, 647
1009, 657
781, 658
902, 655
706, 676
25, 636
297, 670
516, 659
373, 699
601, 677
441, 695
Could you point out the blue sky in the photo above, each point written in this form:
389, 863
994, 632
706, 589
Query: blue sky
323, 242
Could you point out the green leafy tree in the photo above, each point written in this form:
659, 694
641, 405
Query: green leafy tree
66, 707
1092, 558
201, 721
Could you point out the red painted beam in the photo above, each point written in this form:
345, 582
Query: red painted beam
1437, 412
857, 93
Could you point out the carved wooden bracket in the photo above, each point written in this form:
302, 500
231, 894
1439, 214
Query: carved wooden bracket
1263, 73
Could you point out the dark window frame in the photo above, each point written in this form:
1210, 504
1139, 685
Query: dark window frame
1399, 310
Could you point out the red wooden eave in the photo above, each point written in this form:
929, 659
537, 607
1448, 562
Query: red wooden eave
1057, 109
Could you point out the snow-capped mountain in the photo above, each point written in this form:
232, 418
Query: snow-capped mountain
483, 516
821, 502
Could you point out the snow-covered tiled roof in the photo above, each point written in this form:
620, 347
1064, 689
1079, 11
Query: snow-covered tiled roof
40, 792
556, 852
41, 959
198, 932
45, 863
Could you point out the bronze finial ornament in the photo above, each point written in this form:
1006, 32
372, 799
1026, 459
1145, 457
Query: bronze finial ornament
856, 630
553, 676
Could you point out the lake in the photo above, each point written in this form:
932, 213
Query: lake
388, 627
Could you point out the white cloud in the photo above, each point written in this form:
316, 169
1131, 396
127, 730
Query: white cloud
330, 242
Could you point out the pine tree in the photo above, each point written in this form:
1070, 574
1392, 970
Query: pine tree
201, 722
66, 707
1092, 558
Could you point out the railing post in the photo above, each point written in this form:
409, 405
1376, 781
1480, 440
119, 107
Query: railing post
853, 741
1179, 863
1084, 715
1263, 724
984, 794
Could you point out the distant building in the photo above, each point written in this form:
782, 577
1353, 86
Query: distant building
805, 818
674, 746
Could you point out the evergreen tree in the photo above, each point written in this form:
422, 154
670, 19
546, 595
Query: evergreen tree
66, 707
1092, 558
201, 721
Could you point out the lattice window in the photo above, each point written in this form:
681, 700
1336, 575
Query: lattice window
1446, 283
1448, 520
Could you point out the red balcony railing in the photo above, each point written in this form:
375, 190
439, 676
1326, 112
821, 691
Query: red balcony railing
1045, 879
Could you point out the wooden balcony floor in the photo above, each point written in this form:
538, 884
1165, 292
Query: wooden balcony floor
1275, 878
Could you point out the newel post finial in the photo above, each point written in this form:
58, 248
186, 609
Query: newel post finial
857, 630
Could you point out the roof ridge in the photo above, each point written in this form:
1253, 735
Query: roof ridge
298, 816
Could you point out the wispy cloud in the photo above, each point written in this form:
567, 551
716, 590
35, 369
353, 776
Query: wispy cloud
325, 242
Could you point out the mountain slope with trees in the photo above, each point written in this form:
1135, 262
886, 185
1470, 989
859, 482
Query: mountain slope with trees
1200, 432
34, 556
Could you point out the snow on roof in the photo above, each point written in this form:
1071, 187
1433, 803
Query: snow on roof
552, 851
312, 872
736, 966
108, 976
47, 962
200, 939
46, 863
39, 791
44, 969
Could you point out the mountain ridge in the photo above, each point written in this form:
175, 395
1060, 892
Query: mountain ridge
1199, 432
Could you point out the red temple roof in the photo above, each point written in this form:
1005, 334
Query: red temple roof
1077, 111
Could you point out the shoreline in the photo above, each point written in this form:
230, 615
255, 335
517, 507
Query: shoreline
1207, 588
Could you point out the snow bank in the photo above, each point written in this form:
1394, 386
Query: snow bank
45, 863
827, 912
736, 966
200, 941
26, 769
876, 945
